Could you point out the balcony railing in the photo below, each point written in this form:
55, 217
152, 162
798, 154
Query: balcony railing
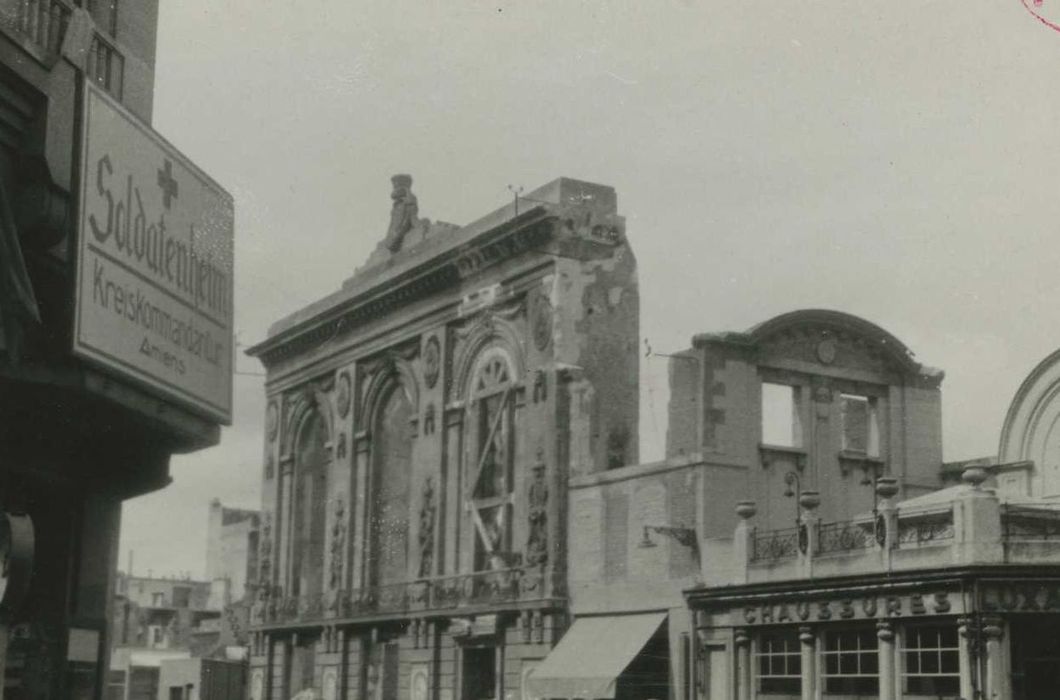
844, 537
1030, 524
774, 545
437, 595
40, 23
923, 531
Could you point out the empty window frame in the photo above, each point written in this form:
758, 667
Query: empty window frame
930, 661
781, 426
861, 427
850, 663
778, 663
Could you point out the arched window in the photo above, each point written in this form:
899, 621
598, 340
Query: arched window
310, 507
489, 482
391, 467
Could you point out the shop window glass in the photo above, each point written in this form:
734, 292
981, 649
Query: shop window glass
778, 662
930, 664
850, 662
780, 415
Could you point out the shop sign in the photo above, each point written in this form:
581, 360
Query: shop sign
864, 607
1020, 596
154, 262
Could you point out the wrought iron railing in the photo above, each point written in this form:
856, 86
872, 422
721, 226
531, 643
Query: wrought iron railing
774, 545
920, 531
844, 537
41, 23
480, 589
1030, 524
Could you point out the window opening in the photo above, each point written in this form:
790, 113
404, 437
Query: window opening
851, 664
778, 659
490, 485
780, 415
930, 658
861, 431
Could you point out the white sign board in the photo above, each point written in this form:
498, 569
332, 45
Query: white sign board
154, 262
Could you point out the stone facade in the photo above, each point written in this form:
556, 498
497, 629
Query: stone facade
422, 428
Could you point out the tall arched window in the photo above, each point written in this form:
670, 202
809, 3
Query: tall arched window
310, 508
391, 466
489, 481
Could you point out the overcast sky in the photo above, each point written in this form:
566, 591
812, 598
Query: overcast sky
895, 160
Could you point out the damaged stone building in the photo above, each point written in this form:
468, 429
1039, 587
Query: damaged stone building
454, 508
422, 425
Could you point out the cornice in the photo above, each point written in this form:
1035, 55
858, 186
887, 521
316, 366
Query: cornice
382, 295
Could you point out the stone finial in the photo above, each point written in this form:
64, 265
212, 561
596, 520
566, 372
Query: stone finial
746, 509
974, 476
886, 486
809, 500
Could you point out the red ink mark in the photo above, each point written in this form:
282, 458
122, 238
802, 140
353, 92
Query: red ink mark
1038, 3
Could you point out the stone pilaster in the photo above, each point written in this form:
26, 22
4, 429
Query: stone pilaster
993, 634
743, 665
808, 647
885, 637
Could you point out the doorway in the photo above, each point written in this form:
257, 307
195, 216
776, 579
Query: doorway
478, 673
1035, 657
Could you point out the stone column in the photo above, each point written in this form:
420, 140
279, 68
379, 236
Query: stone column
966, 656
808, 646
997, 687
743, 665
885, 635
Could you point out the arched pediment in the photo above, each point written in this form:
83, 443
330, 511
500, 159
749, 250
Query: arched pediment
298, 406
827, 337
491, 328
381, 375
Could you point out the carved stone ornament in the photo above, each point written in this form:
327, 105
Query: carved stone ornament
265, 557
540, 386
269, 466
272, 420
428, 420
404, 212
340, 449
826, 351
542, 322
426, 535
338, 541
537, 515
432, 361
342, 394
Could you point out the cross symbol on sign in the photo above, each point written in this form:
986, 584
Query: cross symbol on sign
168, 184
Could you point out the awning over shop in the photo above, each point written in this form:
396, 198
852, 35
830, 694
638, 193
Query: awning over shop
589, 659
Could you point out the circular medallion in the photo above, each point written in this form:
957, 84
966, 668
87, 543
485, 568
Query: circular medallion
432, 361
272, 420
542, 322
826, 351
342, 395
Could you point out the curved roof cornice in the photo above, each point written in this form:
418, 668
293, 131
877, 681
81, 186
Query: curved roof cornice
1034, 407
837, 321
